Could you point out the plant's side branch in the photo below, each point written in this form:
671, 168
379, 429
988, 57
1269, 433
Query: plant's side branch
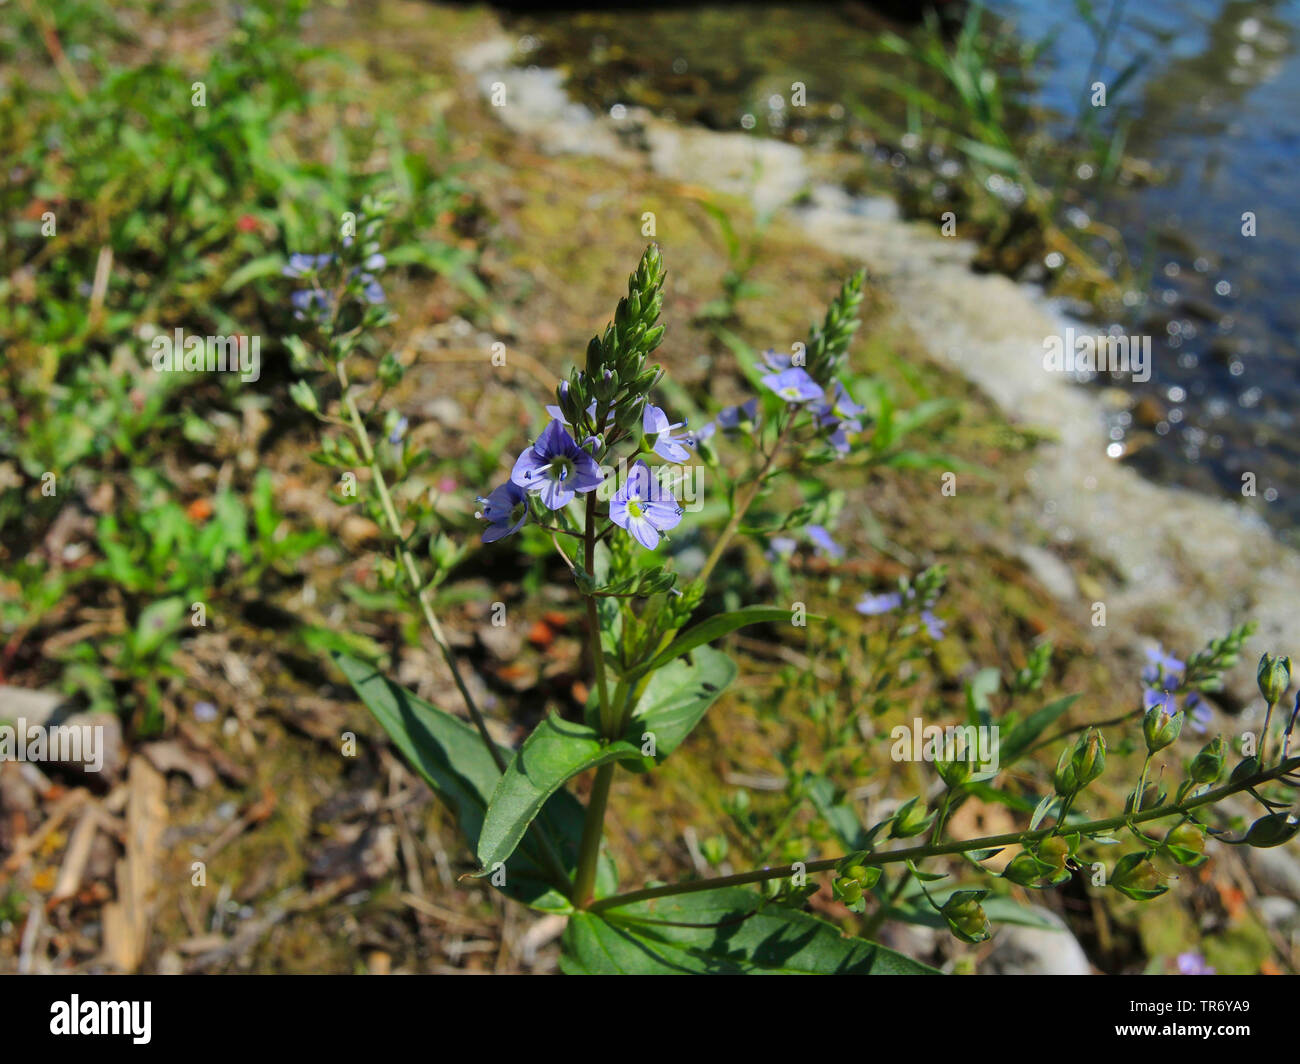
412, 571
914, 853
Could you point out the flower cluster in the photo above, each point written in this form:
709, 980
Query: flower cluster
602, 414
807, 383
918, 597
316, 303
1162, 679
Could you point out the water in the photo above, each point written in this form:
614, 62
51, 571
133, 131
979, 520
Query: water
1214, 110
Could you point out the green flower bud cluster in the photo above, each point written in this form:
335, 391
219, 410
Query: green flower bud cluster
828, 343
851, 885
616, 378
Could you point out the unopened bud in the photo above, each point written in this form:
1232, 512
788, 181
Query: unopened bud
1065, 779
911, 819
1089, 760
1207, 765
1274, 677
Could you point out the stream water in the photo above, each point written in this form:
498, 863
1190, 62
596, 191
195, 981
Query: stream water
1213, 108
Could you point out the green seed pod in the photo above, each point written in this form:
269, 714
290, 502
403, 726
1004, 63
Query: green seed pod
1089, 760
1272, 830
1185, 843
1207, 765
1160, 728
1025, 869
1136, 877
1274, 677
966, 917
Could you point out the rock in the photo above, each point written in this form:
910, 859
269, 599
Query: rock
95, 748
1049, 570
1019, 950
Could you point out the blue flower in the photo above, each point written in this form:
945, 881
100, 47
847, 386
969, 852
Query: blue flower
794, 386
731, 418
555, 468
300, 264
776, 363
1165, 670
874, 605
838, 416
558, 414
399, 430
781, 547
1192, 963
654, 422
644, 507
821, 540
505, 509
933, 626
310, 303
1198, 713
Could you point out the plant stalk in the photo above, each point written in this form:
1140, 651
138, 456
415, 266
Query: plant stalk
914, 853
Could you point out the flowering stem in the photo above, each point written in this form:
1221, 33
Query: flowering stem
593, 827
747, 500
584, 881
411, 569
915, 853
1263, 738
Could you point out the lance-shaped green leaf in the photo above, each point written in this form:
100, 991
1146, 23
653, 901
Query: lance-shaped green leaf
556, 752
676, 699
723, 932
1029, 729
707, 631
452, 759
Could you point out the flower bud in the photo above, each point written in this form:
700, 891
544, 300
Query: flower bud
911, 819
1136, 877
1207, 765
1185, 843
1089, 760
1274, 677
1065, 779
300, 392
954, 773
965, 915
1272, 830
1160, 728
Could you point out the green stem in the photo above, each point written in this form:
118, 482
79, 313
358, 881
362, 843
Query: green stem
412, 571
1263, 739
559, 874
584, 883
915, 853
